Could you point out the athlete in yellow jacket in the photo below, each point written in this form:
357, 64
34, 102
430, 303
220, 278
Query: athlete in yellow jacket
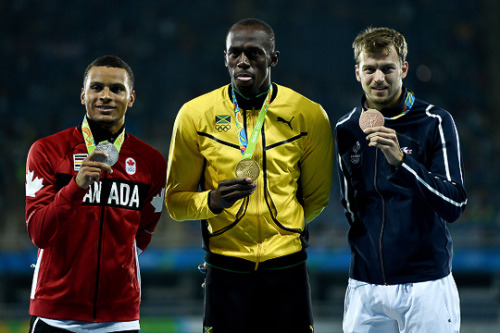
251, 226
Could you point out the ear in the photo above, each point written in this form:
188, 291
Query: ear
132, 99
274, 58
225, 58
82, 96
404, 69
356, 70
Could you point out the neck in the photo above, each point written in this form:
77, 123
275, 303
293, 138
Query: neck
101, 132
255, 101
252, 92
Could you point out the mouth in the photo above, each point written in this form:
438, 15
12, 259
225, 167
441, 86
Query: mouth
105, 108
243, 77
379, 90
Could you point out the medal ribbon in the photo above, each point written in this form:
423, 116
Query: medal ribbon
410, 99
247, 148
89, 138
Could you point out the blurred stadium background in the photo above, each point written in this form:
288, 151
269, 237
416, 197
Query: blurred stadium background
176, 50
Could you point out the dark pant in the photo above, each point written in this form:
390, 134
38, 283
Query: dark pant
261, 301
39, 326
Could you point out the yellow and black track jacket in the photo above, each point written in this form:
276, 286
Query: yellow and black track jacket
295, 155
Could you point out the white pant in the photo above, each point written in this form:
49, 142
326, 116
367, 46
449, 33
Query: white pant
423, 307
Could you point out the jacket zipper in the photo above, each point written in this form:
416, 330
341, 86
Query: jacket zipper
256, 193
382, 227
99, 249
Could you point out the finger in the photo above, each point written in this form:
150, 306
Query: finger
237, 187
376, 129
235, 196
93, 161
235, 181
96, 155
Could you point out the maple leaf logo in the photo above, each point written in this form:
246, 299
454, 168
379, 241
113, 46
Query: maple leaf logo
33, 184
157, 201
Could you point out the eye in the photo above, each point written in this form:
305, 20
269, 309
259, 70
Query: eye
117, 89
232, 53
96, 87
253, 53
388, 69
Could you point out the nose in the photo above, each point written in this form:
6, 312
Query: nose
379, 76
243, 61
105, 94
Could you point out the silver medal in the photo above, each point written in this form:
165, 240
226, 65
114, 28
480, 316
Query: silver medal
109, 149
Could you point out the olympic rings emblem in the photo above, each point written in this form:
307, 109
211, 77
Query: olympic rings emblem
222, 128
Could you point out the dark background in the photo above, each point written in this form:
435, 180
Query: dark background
176, 51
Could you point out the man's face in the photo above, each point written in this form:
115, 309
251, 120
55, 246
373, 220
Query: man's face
381, 76
107, 95
249, 57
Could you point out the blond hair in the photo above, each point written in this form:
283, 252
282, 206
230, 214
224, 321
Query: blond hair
374, 40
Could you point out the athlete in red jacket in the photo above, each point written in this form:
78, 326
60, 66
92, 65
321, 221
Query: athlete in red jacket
90, 216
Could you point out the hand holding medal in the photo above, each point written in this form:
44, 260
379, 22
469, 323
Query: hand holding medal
108, 154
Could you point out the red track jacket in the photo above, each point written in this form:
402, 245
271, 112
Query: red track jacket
87, 267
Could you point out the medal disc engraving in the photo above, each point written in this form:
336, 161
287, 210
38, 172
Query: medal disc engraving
109, 149
247, 168
371, 118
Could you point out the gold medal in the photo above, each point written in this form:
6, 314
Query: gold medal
247, 168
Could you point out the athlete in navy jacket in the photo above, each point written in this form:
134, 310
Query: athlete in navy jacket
401, 183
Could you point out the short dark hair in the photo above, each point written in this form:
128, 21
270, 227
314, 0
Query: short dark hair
110, 61
249, 22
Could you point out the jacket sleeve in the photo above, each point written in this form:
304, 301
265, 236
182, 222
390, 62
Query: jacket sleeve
346, 190
184, 170
151, 212
317, 166
441, 185
48, 209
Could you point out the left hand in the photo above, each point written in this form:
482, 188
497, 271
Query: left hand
387, 141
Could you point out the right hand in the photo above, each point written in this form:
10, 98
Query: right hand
229, 191
90, 170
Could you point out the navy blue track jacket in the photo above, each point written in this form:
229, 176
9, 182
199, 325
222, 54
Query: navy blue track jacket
398, 232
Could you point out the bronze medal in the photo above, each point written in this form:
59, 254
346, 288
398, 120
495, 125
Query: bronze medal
371, 118
247, 168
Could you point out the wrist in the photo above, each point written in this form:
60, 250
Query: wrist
213, 209
395, 168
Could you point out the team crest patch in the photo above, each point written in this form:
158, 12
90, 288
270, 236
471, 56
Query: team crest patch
77, 160
355, 156
130, 166
222, 123
207, 329
407, 150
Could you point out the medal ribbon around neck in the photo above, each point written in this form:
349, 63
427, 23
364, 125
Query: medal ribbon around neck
89, 138
410, 99
247, 148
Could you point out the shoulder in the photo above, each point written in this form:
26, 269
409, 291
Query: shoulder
288, 95
290, 101
208, 100
60, 141
347, 119
432, 111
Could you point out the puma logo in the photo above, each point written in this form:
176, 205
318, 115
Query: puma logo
289, 123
